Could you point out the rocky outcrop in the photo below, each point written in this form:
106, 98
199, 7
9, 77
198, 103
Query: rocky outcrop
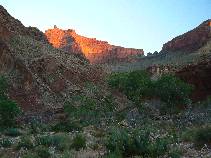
198, 75
94, 50
41, 77
190, 41
14, 26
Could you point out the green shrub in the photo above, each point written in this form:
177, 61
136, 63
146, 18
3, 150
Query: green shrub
5, 143
3, 86
66, 126
135, 85
202, 136
176, 153
9, 110
135, 143
30, 155
172, 90
43, 152
79, 142
25, 142
37, 127
57, 141
87, 110
67, 154
115, 154
159, 148
47, 141
81, 108
189, 134
117, 140
13, 132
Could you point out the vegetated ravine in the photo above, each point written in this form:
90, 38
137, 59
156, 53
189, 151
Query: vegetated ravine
55, 103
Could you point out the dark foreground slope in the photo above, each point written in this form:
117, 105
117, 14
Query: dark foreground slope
41, 77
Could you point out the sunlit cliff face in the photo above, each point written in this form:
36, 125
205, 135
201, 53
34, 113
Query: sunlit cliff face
209, 23
191, 41
94, 50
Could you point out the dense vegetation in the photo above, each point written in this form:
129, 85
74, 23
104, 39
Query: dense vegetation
9, 110
136, 142
87, 110
137, 86
93, 123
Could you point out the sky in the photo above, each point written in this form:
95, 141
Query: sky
144, 24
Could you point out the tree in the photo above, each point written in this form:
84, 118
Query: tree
9, 110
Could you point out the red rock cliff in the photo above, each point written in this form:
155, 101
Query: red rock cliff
190, 41
94, 50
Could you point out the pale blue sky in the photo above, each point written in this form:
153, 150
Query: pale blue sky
146, 24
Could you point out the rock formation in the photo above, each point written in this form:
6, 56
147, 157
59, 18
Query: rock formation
14, 26
40, 76
94, 50
198, 75
190, 41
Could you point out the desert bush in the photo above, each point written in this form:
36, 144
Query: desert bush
107, 104
81, 108
202, 136
38, 127
9, 110
67, 154
25, 142
42, 152
5, 143
87, 110
175, 153
45, 141
189, 134
57, 141
66, 126
79, 142
135, 85
159, 147
136, 143
3, 86
117, 140
172, 90
115, 154
30, 155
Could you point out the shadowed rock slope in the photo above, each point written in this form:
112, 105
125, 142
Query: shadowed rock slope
41, 77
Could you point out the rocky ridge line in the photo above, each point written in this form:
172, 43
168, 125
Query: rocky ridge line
95, 51
190, 41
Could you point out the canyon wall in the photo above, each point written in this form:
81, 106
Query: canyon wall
95, 51
190, 41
